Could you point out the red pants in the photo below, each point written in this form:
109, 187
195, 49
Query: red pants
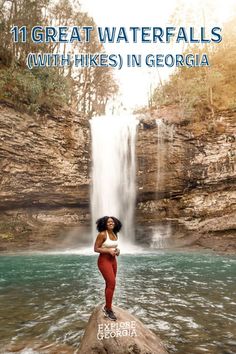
108, 267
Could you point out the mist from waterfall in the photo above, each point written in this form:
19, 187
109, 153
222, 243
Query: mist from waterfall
113, 188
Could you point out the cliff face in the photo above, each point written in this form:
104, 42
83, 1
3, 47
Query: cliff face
185, 180
44, 176
194, 191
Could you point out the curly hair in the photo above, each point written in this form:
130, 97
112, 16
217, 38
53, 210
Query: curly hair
102, 224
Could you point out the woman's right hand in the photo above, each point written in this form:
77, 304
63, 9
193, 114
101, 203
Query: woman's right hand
112, 252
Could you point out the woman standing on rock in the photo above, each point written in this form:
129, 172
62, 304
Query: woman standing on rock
107, 245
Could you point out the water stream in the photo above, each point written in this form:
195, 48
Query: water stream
188, 299
113, 170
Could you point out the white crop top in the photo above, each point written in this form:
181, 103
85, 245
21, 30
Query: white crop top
108, 243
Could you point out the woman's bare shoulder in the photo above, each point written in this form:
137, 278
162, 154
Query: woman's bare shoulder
102, 235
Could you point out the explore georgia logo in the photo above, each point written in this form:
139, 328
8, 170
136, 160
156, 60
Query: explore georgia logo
120, 329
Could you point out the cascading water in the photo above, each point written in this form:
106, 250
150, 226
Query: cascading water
165, 134
160, 151
162, 234
113, 170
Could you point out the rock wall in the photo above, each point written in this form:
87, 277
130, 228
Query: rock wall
185, 180
194, 192
45, 163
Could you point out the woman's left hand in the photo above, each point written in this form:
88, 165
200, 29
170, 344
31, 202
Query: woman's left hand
117, 251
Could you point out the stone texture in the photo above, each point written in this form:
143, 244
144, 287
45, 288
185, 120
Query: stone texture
195, 188
44, 164
185, 184
135, 339
44, 347
44, 160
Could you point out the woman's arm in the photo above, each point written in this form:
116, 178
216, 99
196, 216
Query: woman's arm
101, 237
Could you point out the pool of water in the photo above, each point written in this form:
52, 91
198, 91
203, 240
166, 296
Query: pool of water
188, 299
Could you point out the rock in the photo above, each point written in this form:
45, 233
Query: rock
127, 335
187, 181
44, 160
188, 178
44, 173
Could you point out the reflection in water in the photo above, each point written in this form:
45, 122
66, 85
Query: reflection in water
188, 299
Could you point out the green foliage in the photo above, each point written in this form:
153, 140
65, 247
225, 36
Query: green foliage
199, 91
42, 89
33, 90
54, 87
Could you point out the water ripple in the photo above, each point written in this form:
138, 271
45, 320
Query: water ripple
187, 299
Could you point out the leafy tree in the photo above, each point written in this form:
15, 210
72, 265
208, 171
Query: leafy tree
201, 91
86, 89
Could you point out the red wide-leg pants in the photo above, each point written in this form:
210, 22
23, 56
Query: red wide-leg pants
108, 267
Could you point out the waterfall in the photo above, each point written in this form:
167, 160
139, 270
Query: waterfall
113, 170
165, 133
160, 152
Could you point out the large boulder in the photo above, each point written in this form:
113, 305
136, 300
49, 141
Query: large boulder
127, 335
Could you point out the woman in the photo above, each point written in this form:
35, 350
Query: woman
107, 245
